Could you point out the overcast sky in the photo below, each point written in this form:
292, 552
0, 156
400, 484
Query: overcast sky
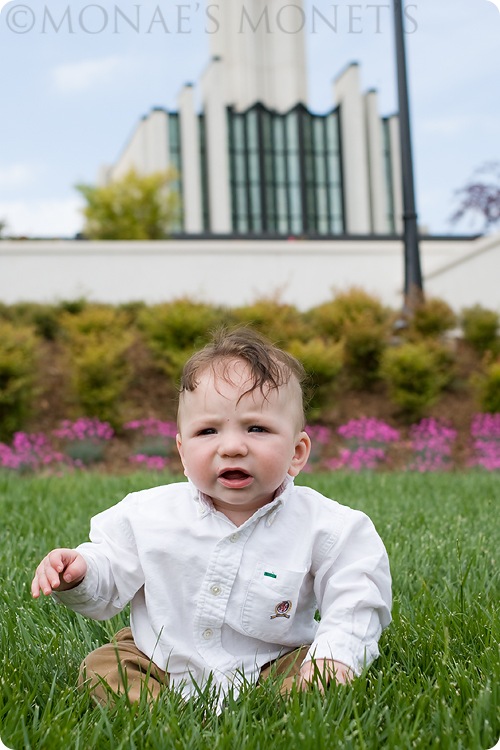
75, 78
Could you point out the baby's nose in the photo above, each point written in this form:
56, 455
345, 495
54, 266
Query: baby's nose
233, 444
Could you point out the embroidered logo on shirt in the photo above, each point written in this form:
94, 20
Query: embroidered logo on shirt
282, 609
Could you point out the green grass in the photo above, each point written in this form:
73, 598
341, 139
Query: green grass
435, 685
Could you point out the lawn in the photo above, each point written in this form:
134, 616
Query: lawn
436, 683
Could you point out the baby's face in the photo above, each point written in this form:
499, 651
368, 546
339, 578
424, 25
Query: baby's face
238, 448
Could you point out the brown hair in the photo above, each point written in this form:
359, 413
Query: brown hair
270, 367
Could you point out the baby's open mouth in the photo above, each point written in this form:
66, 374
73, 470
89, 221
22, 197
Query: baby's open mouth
235, 478
234, 474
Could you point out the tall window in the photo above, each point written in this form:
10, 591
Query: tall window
175, 160
389, 185
204, 174
285, 172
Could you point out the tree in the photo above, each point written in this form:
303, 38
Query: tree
481, 196
135, 207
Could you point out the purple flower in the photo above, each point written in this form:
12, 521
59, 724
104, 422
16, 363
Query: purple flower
28, 452
357, 459
151, 426
157, 439
432, 443
84, 428
368, 439
154, 463
368, 430
485, 431
319, 433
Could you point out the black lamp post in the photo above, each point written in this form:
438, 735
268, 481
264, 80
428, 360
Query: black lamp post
413, 285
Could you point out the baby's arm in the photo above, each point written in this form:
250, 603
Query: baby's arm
353, 591
61, 569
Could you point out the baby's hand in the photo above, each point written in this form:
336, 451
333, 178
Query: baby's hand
323, 671
61, 569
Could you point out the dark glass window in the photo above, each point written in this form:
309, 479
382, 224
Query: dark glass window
175, 160
285, 172
204, 174
391, 218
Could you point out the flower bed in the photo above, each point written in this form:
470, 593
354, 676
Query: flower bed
360, 444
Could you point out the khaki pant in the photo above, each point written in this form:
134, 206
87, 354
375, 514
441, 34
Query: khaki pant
119, 667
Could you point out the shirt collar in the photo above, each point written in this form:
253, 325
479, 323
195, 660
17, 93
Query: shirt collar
206, 506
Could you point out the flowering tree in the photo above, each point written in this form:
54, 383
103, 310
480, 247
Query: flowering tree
481, 196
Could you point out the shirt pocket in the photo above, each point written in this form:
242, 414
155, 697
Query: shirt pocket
271, 602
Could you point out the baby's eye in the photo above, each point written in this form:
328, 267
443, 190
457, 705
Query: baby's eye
256, 428
207, 431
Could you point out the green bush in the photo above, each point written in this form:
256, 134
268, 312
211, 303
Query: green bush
97, 342
132, 310
414, 378
365, 341
488, 389
94, 319
100, 376
480, 328
5, 312
73, 306
174, 330
445, 361
43, 318
18, 358
278, 321
331, 318
323, 363
432, 318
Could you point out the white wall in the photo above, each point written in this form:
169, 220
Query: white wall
304, 273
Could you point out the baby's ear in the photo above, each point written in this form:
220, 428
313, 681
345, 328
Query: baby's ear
302, 451
178, 442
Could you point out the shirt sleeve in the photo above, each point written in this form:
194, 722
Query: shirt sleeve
114, 572
353, 590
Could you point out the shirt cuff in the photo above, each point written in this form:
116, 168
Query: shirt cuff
346, 649
84, 592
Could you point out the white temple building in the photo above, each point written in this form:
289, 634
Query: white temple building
255, 161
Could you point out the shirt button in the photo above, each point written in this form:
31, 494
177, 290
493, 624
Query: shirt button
216, 590
234, 537
207, 634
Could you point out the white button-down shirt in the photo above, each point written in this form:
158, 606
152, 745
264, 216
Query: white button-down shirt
208, 597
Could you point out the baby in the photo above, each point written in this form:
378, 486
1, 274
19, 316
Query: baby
225, 572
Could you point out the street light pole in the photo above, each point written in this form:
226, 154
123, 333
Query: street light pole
413, 284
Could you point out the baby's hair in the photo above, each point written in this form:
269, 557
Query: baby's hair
270, 367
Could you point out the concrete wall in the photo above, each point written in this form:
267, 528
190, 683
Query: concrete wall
304, 273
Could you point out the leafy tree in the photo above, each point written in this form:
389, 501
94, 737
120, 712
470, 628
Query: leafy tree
136, 207
481, 196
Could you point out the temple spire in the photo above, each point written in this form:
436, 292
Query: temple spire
261, 44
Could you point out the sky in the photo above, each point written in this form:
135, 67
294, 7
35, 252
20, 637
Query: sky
76, 77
